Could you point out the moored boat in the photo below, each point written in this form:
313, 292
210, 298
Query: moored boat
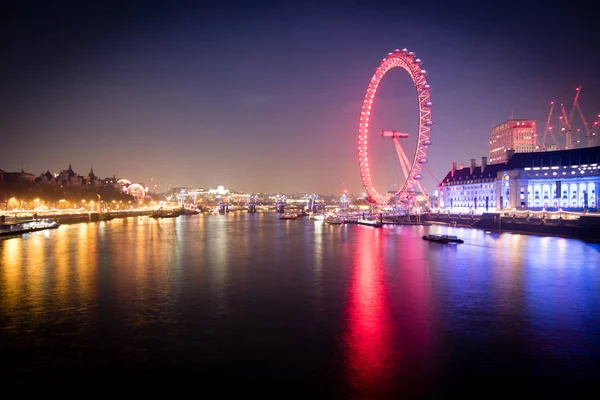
370, 222
160, 213
22, 227
288, 216
333, 220
189, 211
443, 239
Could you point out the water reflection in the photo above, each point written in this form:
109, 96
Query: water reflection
368, 342
11, 273
384, 312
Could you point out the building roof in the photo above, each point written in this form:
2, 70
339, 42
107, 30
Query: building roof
91, 175
588, 155
464, 174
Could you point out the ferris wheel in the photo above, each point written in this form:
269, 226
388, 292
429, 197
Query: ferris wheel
412, 168
137, 191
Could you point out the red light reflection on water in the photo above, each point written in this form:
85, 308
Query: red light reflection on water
370, 358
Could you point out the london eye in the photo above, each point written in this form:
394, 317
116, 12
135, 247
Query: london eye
412, 168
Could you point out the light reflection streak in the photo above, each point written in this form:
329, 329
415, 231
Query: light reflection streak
368, 341
318, 260
11, 274
62, 261
219, 258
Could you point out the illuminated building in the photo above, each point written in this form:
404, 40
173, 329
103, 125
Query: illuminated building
471, 189
515, 134
551, 180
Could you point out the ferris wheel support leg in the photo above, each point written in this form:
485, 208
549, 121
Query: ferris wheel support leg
401, 157
405, 164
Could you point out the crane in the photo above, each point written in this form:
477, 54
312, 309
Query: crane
594, 132
566, 127
548, 128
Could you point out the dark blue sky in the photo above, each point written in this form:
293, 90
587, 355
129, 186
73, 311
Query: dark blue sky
262, 96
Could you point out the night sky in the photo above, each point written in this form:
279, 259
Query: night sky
261, 96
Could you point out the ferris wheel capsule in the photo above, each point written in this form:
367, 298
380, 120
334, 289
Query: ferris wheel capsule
427, 87
429, 104
418, 61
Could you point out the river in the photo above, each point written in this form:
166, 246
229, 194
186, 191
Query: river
250, 302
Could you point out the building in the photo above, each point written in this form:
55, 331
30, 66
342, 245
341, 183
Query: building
565, 180
68, 177
110, 182
471, 189
17, 177
47, 178
515, 134
91, 180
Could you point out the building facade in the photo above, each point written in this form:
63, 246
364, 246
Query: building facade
471, 189
566, 180
519, 135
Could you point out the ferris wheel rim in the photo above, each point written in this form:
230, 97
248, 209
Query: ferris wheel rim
407, 61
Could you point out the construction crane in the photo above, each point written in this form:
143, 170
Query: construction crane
594, 133
548, 129
588, 132
566, 127
572, 114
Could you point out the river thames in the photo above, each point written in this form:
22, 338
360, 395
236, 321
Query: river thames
252, 303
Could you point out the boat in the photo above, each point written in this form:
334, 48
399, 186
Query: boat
288, 216
370, 222
160, 213
189, 211
105, 217
443, 239
333, 220
317, 217
21, 227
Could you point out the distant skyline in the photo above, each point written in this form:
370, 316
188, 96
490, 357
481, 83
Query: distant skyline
265, 96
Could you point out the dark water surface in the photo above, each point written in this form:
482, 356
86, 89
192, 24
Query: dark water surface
249, 302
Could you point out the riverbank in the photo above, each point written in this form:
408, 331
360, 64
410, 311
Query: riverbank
64, 219
584, 227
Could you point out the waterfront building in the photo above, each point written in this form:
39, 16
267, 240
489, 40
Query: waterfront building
47, 178
471, 189
566, 180
110, 182
91, 180
68, 177
515, 134
14, 177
